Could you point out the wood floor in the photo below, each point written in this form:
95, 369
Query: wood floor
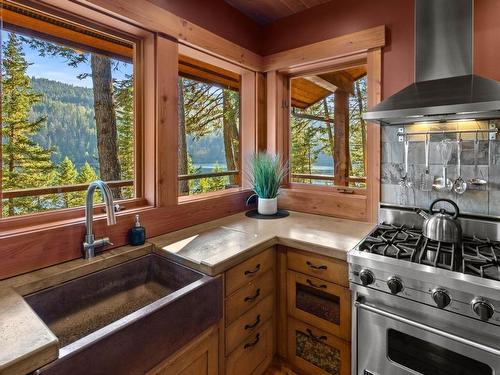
279, 369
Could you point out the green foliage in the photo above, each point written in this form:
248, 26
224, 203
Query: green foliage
25, 164
67, 175
267, 174
213, 183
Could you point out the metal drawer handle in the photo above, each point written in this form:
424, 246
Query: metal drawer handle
320, 286
253, 325
314, 267
253, 343
255, 270
424, 327
252, 298
314, 337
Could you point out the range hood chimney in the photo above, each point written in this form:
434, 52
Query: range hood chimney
445, 88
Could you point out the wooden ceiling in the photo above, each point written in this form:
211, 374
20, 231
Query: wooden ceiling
267, 11
307, 90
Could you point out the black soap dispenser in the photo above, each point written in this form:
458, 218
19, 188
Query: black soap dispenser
137, 234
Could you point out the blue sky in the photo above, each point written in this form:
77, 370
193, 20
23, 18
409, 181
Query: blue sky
56, 68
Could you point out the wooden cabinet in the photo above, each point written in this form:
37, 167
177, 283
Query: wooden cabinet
323, 304
328, 269
317, 352
252, 354
318, 305
248, 270
249, 315
199, 357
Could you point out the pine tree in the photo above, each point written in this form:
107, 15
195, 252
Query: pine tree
67, 175
24, 163
87, 174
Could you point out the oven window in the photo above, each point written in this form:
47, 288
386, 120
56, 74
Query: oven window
316, 302
430, 359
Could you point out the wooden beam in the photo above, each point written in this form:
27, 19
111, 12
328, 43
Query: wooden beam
341, 134
321, 82
350, 44
340, 79
152, 17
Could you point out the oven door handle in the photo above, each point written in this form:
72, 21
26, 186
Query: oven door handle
428, 328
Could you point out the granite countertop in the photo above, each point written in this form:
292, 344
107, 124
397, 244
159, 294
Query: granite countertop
27, 343
216, 246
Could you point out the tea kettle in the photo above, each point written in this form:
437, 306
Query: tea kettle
441, 225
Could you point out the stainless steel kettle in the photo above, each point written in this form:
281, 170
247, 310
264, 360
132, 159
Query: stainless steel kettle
441, 225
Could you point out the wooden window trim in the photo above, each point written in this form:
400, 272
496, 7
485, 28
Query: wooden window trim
247, 136
363, 47
137, 37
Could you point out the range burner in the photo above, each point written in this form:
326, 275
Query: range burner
479, 257
393, 241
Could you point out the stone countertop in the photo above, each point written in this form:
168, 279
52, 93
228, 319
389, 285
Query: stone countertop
26, 343
216, 246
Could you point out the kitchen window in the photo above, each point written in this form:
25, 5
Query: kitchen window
327, 130
68, 112
209, 128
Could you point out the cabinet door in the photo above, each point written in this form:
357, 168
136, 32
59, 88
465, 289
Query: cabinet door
320, 303
200, 357
317, 352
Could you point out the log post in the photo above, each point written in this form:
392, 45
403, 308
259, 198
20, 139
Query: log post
341, 153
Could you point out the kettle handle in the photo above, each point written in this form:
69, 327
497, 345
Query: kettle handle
457, 211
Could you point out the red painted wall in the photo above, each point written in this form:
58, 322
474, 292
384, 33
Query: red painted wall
487, 38
218, 17
342, 17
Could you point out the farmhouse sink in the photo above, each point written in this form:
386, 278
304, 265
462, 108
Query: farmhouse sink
127, 318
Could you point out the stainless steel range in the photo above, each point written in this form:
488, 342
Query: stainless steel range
423, 306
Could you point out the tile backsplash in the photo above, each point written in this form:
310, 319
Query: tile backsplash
482, 200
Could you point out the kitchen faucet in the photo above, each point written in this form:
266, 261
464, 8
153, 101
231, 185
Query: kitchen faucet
90, 243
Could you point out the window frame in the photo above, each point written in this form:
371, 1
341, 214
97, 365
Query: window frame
138, 37
247, 134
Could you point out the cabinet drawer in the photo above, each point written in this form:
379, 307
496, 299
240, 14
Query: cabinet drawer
250, 269
328, 269
252, 352
317, 352
248, 323
248, 296
320, 303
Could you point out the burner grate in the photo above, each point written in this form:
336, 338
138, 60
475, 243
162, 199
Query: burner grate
481, 257
438, 254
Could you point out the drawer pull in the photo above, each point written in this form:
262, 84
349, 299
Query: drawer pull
254, 297
255, 270
314, 267
253, 325
320, 286
253, 343
314, 337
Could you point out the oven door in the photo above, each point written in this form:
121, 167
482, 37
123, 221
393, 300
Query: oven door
390, 344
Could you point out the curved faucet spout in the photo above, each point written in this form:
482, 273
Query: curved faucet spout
90, 243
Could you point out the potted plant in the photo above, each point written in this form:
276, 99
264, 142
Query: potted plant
267, 174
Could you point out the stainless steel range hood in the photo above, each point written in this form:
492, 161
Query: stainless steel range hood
445, 88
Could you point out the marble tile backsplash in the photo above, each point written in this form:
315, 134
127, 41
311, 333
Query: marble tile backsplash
483, 200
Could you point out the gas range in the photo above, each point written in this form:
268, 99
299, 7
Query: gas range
422, 306
464, 278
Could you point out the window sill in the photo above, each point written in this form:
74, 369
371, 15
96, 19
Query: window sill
56, 219
216, 194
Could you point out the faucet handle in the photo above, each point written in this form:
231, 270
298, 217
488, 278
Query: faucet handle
106, 241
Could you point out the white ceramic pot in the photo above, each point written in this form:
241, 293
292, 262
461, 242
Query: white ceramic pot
267, 206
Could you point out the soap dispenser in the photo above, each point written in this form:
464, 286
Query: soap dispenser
137, 234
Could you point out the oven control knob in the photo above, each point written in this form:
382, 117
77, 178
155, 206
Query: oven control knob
366, 277
483, 309
395, 285
441, 298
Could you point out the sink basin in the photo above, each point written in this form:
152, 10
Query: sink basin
146, 303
